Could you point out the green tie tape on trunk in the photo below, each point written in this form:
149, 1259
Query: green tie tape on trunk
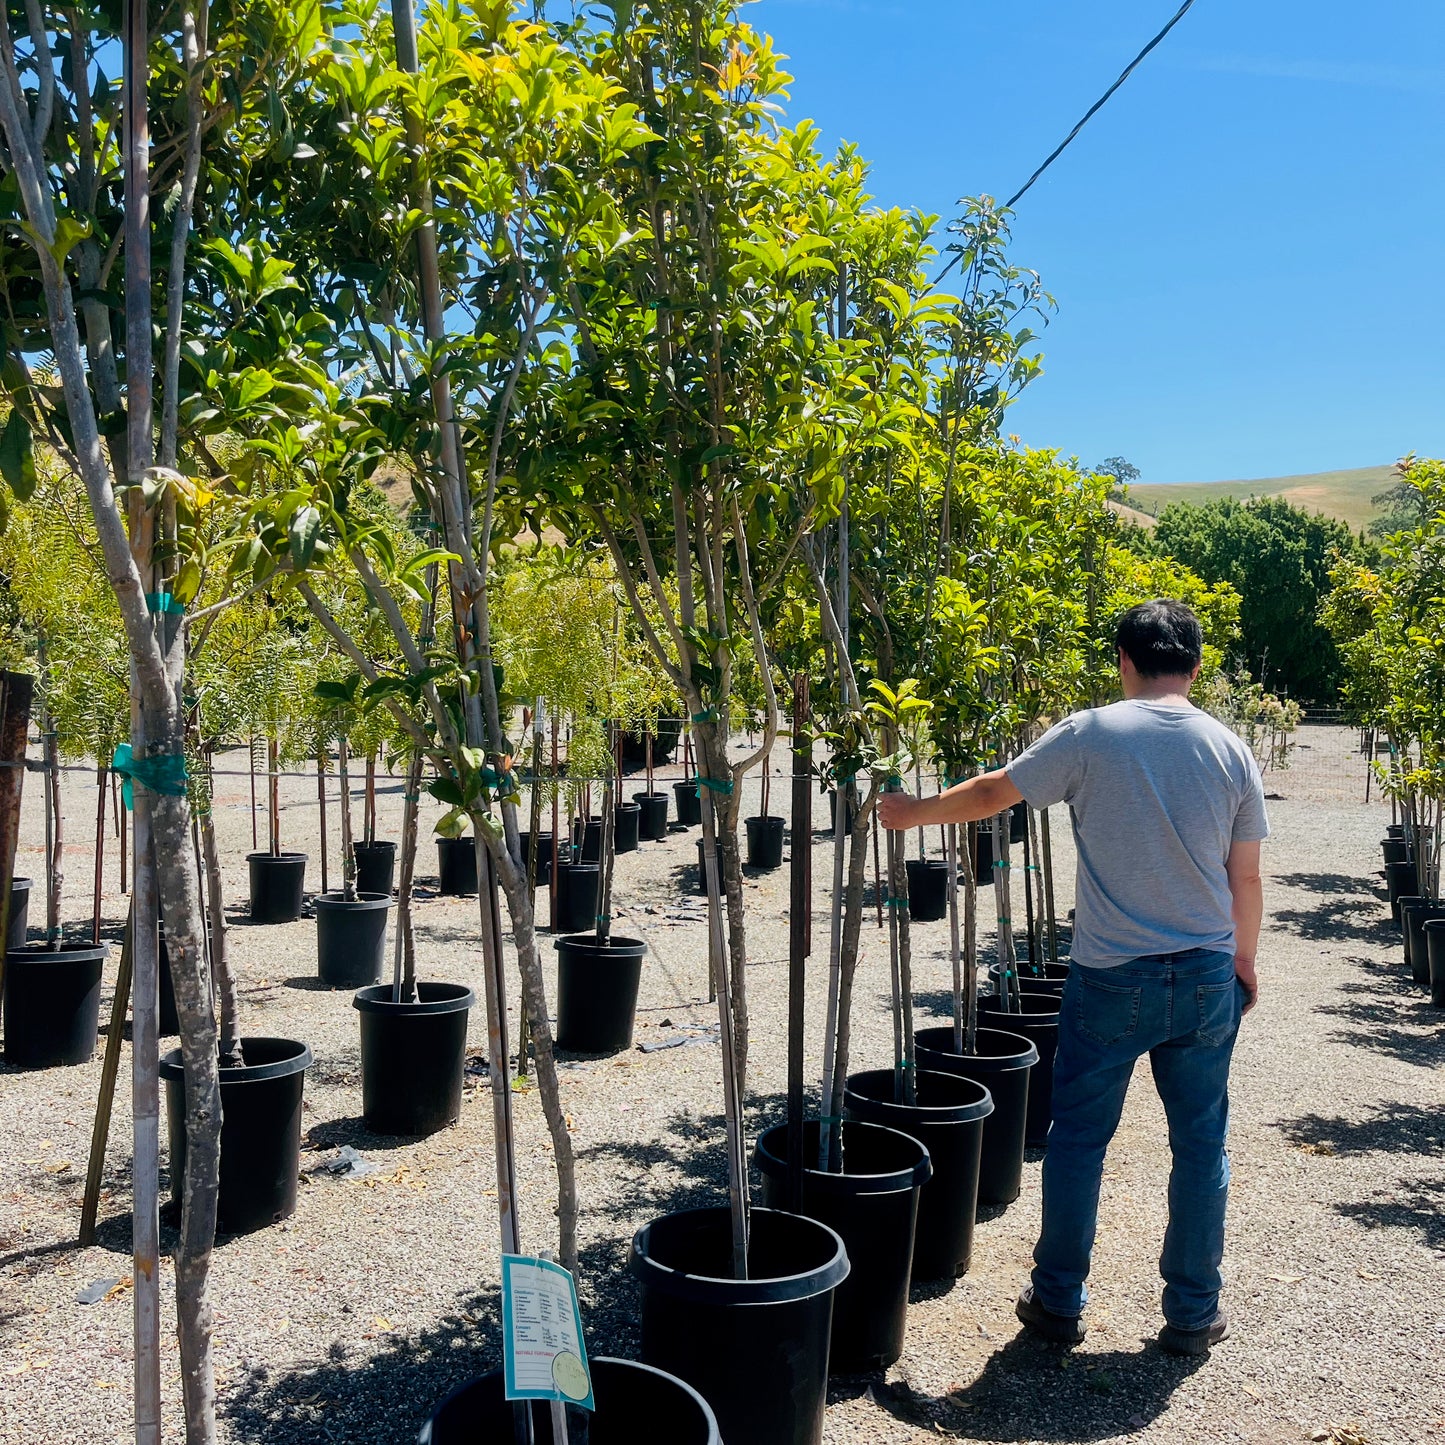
164, 774
163, 602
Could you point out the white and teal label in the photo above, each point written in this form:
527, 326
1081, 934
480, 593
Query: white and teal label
543, 1354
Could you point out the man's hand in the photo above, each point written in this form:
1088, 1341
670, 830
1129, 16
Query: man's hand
1244, 972
982, 797
898, 811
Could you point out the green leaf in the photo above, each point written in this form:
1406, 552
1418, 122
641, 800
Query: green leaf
17, 455
305, 528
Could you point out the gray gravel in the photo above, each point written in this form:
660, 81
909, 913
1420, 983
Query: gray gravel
347, 1321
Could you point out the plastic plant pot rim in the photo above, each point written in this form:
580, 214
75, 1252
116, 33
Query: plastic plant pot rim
21, 885
965, 1113
585, 945
682, 1386
1024, 1056
893, 1181
1039, 1017
296, 1062
39, 954
381, 845
766, 818
363, 902
640, 798
719, 1289
277, 857
375, 998
623, 807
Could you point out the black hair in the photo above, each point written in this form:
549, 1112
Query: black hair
1161, 638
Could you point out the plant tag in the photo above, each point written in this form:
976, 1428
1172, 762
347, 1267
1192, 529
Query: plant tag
543, 1354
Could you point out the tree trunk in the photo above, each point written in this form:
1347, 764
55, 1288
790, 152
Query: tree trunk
404, 975
55, 841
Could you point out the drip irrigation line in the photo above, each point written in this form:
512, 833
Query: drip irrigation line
1089, 114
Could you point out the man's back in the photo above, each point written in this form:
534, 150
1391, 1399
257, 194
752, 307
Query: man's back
1159, 791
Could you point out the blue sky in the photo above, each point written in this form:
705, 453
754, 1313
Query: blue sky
1246, 244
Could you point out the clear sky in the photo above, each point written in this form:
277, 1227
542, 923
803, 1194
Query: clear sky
1247, 244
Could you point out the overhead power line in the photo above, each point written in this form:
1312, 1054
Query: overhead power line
1089, 114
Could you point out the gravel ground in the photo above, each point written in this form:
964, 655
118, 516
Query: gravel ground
345, 1322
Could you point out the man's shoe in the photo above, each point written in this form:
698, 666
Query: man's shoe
1174, 1341
1061, 1329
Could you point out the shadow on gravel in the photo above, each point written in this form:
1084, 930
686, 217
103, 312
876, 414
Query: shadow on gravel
348, 1395
1384, 1008
336, 1132
1033, 1391
1338, 920
1395, 1129
1417, 1204
1347, 885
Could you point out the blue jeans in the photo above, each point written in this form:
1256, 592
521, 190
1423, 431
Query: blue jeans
1183, 1010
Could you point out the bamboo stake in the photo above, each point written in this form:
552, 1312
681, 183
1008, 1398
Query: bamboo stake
1050, 918
970, 940
799, 942
348, 852
105, 1099
955, 952
368, 817
255, 837
321, 805
878, 871
1009, 989
273, 794
99, 852
403, 978
556, 830
1029, 894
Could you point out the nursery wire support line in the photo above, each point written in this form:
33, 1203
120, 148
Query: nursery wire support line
1089, 114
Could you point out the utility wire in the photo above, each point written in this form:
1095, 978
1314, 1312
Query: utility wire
1092, 111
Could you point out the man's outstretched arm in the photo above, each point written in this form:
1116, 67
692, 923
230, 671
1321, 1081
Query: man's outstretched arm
1246, 891
966, 802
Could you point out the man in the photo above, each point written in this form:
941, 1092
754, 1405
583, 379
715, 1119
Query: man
1168, 811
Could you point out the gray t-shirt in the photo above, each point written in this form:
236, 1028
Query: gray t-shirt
1158, 792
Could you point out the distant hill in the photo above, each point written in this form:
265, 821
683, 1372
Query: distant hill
1345, 495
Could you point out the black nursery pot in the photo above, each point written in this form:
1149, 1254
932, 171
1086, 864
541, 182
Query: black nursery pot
635, 1404
375, 867
457, 866
1055, 976
170, 1023
626, 818
765, 841
755, 1349
1400, 879
1002, 1064
1039, 1023
278, 881
1395, 830
948, 1120
413, 1056
19, 913
927, 889
351, 938
702, 869
52, 1004
1396, 850
260, 1131
982, 858
1417, 953
689, 805
848, 814
1435, 957
544, 856
589, 839
597, 993
652, 816
873, 1206
1018, 823
576, 885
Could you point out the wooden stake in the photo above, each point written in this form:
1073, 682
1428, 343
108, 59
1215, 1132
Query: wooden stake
955, 951
273, 794
556, 828
255, 836
1050, 921
878, 871
109, 1071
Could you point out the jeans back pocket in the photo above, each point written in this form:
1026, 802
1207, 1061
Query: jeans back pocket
1105, 1012
1219, 1011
